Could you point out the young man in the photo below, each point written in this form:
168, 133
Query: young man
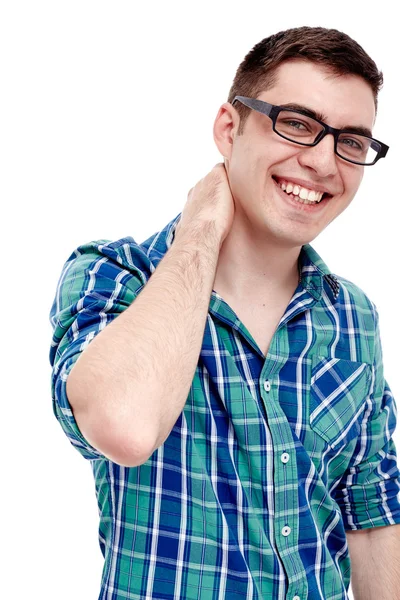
226, 386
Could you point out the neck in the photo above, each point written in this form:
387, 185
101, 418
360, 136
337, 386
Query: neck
248, 268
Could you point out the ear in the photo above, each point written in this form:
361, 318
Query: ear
225, 126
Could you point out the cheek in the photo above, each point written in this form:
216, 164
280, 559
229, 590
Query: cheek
351, 188
352, 178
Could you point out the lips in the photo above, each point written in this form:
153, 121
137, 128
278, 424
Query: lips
304, 184
300, 206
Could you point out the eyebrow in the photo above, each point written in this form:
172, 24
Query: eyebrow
358, 129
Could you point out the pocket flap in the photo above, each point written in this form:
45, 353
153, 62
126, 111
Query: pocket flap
338, 392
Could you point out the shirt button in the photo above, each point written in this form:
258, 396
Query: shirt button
267, 386
286, 530
296, 597
285, 457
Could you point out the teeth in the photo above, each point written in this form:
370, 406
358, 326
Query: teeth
312, 195
305, 195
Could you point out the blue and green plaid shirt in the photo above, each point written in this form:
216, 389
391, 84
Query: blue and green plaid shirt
272, 459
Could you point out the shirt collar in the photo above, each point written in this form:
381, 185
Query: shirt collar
315, 275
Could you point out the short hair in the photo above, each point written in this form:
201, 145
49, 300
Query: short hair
329, 48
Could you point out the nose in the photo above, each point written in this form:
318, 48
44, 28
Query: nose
321, 158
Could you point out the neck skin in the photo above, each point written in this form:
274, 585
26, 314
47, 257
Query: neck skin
254, 268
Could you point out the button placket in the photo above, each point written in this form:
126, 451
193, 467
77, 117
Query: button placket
282, 444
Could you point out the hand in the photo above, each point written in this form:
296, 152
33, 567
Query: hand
209, 201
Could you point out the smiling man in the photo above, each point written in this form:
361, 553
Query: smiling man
226, 386
294, 190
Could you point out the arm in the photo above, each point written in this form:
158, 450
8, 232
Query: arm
130, 384
368, 491
375, 562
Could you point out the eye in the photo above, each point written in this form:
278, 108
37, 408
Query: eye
295, 124
351, 143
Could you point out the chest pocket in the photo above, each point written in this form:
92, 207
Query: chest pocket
338, 392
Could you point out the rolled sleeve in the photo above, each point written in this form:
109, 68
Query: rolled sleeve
369, 492
65, 416
92, 291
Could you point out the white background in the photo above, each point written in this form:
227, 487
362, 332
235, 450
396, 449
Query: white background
106, 123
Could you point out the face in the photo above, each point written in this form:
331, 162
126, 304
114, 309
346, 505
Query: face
259, 160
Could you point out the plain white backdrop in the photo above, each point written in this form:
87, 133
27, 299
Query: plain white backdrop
106, 123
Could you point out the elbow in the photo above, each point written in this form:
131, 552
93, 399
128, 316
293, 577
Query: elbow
125, 458
124, 449
129, 452
128, 446
113, 437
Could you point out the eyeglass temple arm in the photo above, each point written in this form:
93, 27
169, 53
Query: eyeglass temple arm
259, 105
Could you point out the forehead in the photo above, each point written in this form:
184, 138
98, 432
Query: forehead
344, 100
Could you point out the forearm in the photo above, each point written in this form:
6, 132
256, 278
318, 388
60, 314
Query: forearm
375, 564
133, 379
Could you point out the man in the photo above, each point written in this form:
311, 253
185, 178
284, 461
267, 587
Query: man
226, 386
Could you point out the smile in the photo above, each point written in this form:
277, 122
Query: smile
302, 197
308, 196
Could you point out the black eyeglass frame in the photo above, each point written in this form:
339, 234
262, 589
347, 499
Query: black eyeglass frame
272, 111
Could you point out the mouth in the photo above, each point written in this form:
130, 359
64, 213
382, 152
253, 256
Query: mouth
304, 204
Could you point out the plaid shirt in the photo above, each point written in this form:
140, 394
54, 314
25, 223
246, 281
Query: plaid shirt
272, 458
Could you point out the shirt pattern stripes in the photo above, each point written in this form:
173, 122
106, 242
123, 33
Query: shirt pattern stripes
272, 459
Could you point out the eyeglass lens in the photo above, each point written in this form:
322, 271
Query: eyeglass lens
299, 128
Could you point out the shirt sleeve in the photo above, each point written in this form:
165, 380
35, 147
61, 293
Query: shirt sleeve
368, 494
95, 286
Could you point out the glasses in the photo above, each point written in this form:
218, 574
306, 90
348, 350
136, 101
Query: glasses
298, 127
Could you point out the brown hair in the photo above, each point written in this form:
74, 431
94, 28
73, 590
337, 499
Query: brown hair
330, 48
